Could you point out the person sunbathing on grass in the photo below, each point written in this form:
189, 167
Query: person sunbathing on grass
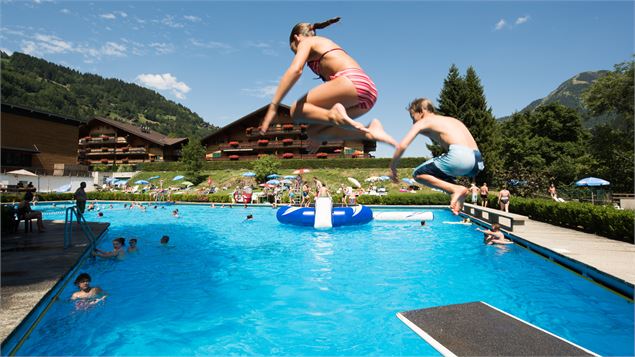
462, 157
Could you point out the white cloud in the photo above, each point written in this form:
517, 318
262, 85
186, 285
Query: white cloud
108, 16
168, 20
65, 11
162, 48
192, 18
521, 20
266, 91
121, 13
500, 24
265, 48
113, 49
40, 44
222, 47
165, 81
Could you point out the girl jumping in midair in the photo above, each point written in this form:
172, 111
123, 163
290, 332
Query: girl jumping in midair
347, 91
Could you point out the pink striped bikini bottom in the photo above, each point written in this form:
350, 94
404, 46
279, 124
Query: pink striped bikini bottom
366, 90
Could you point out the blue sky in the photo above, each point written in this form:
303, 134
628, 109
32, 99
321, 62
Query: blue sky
224, 59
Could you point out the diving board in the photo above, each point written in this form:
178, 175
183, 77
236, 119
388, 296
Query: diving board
479, 329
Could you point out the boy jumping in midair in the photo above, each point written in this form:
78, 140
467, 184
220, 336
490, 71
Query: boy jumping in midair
462, 158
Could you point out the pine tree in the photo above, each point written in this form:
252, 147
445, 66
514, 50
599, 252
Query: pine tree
451, 101
478, 118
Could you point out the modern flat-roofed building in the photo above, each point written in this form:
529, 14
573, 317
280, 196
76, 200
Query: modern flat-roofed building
108, 141
240, 140
36, 141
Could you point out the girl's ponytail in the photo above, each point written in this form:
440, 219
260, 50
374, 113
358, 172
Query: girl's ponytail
321, 25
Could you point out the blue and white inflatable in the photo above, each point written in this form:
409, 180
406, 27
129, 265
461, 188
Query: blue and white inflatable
340, 216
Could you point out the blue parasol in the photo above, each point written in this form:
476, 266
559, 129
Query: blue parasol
291, 177
273, 182
592, 182
153, 178
249, 174
409, 181
273, 176
141, 182
178, 177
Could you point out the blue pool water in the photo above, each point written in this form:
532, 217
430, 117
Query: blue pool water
225, 286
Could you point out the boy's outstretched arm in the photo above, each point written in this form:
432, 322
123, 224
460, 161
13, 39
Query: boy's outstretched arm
402, 146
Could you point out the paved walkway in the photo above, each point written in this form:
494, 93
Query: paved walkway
606, 255
32, 264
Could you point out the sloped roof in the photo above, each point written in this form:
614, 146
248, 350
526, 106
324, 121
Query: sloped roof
36, 113
148, 134
252, 119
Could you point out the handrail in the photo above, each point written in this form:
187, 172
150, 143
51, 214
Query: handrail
68, 227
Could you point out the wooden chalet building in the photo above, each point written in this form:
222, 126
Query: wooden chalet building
240, 140
37, 141
108, 141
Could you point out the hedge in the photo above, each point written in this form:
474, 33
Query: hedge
403, 198
602, 220
288, 164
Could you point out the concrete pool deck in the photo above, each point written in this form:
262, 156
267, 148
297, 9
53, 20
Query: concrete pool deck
32, 263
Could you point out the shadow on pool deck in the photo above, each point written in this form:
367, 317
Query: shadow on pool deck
32, 263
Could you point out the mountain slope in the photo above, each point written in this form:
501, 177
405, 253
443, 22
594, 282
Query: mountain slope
35, 83
569, 94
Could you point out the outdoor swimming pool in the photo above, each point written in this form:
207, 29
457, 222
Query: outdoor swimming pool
225, 286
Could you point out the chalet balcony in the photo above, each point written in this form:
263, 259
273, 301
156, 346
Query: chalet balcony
282, 156
261, 145
99, 140
278, 130
91, 152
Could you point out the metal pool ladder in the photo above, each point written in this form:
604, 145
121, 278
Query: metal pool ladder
68, 227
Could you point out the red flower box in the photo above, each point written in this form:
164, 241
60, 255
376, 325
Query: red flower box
234, 157
105, 137
234, 143
321, 155
303, 126
125, 149
125, 161
104, 161
287, 126
287, 155
287, 141
263, 142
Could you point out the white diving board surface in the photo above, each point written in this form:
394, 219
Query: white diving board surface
479, 329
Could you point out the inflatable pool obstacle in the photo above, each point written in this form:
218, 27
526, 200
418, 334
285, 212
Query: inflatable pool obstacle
323, 215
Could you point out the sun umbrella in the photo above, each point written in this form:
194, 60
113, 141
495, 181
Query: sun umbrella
178, 177
22, 172
291, 177
409, 181
187, 183
354, 182
273, 182
110, 179
273, 176
153, 178
249, 174
384, 178
301, 171
372, 179
592, 182
141, 182
286, 182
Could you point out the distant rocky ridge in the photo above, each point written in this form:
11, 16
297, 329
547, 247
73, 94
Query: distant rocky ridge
569, 94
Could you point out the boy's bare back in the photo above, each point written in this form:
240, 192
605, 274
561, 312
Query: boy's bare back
446, 131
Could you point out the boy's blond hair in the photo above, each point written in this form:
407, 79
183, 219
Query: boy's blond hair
420, 104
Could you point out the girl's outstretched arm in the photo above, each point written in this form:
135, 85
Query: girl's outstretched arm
289, 78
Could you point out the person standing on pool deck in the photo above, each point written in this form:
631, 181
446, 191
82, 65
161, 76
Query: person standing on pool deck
462, 158
80, 198
347, 91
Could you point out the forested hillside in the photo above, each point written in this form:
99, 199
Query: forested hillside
35, 83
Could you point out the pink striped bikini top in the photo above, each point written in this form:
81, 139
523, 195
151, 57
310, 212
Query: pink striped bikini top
315, 64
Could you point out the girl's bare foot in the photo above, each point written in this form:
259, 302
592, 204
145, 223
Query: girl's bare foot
339, 116
378, 133
457, 200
